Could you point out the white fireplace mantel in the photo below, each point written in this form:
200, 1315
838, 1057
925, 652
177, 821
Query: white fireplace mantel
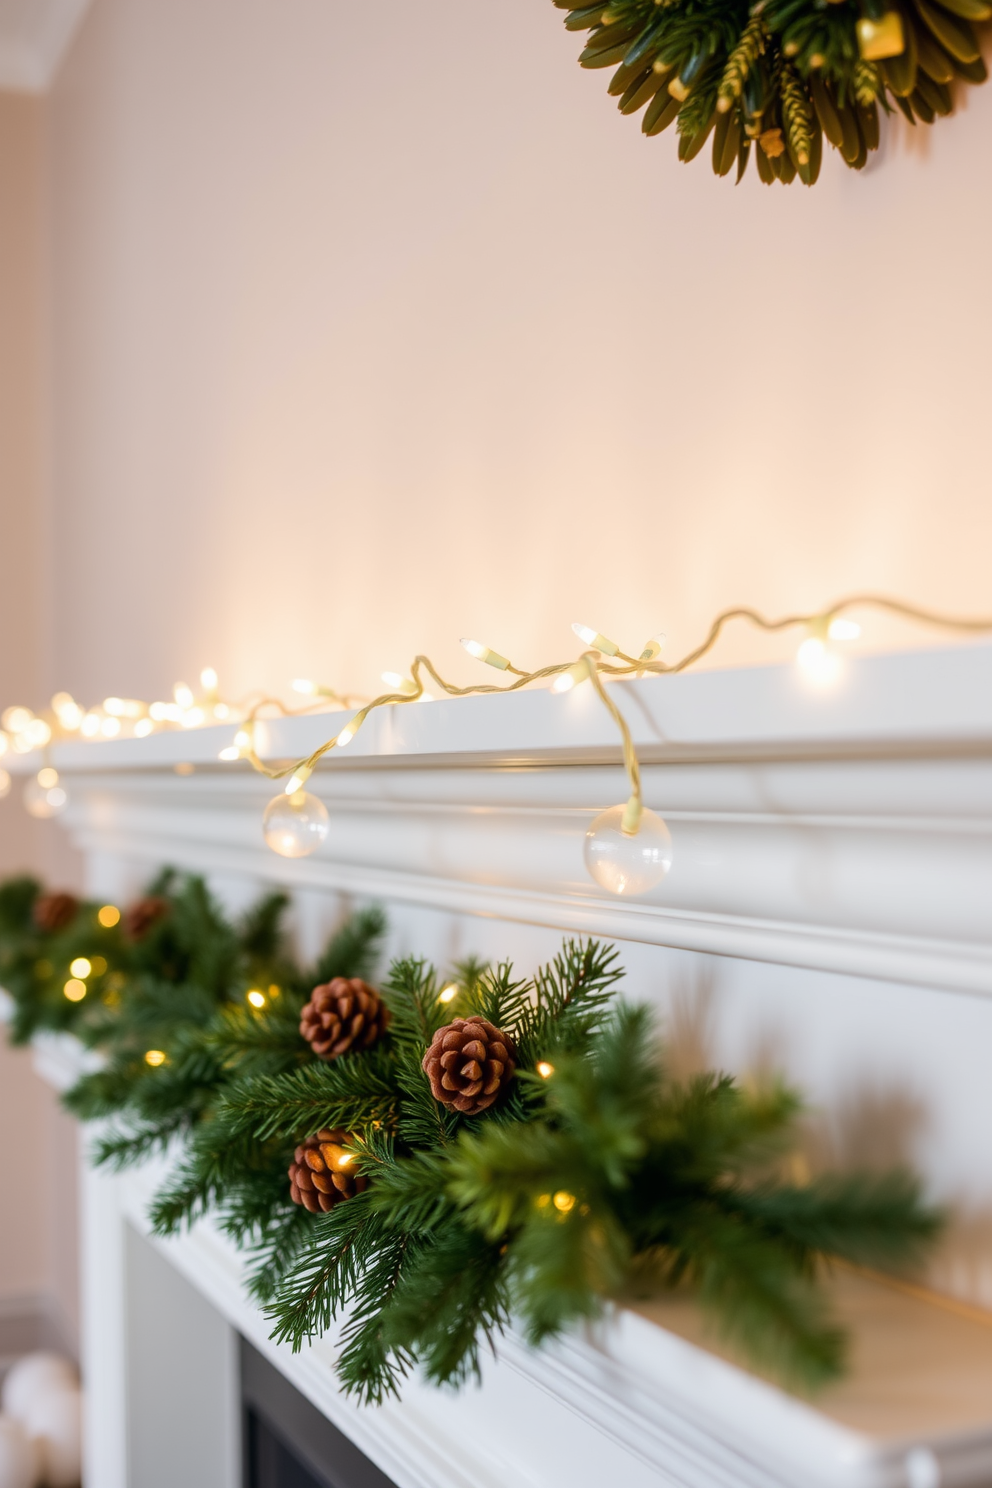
828, 910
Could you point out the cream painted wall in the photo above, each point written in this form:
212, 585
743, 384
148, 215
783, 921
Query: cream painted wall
375, 326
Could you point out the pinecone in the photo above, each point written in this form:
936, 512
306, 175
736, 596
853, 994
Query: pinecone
143, 914
343, 1014
54, 912
468, 1063
320, 1176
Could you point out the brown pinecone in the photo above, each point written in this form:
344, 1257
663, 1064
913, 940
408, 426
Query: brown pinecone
468, 1063
320, 1176
343, 1014
143, 914
54, 912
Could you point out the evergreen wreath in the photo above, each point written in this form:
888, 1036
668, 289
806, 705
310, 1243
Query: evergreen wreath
483, 1149
774, 77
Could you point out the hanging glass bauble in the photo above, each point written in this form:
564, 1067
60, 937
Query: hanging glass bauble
296, 825
628, 863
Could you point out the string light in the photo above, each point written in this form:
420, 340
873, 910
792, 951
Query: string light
47, 777
296, 822
486, 654
593, 638
155, 1057
81, 967
74, 990
449, 993
109, 916
4, 743
5, 784
256, 998
563, 1201
544, 1069
571, 677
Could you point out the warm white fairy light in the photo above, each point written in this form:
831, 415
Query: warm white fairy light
652, 648
15, 720
398, 683
843, 630
576, 673
232, 752
123, 707
594, 639
485, 653
5, 784
297, 780
347, 734
304, 686
81, 967
183, 696
110, 727
47, 777
143, 728
544, 1069
4, 743
208, 679
256, 998
449, 993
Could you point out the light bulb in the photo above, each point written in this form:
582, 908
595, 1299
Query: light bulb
818, 663
449, 993
295, 826
305, 686
844, 630
110, 728
485, 653
577, 672
256, 998
398, 683
231, 753
67, 711
4, 743
297, 781
242, 738
81, 967
5, 784
653, 647
143, 728
544, 1069
347, 734
155, 1057
192, 718
123, 707
595, 639
109, 916
44, 802
208, 679
74, 989
221, 711
183, 695
90, 726
48, 777
627, 863
37, 733
16, 720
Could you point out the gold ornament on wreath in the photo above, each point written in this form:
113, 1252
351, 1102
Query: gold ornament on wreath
773, 79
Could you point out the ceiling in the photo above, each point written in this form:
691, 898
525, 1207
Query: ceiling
34, 35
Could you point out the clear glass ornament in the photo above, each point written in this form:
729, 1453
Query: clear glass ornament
296, 825
628, 864
44, 802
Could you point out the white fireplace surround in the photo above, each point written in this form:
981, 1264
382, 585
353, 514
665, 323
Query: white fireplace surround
828, 911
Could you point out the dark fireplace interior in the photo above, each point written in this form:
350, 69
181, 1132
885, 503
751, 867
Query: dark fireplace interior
288, 1443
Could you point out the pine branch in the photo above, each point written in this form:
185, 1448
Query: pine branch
354, 950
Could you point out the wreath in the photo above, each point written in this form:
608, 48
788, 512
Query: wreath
779, 75
435, 1157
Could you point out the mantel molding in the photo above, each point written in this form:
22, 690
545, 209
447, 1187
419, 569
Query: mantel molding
810, 829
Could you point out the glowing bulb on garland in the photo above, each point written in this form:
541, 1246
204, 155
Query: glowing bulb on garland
5, 784
571, 677
399, 683
44, 797
594, 639
628, 849
295, 825
486, 654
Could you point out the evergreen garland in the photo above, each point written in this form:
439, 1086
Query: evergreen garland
595, 1175
781, 74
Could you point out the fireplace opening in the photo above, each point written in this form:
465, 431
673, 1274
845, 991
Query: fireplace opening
287, 1443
